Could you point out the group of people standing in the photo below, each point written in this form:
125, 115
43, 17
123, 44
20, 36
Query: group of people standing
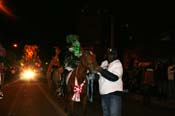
109, 73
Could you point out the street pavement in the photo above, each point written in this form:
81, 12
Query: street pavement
133, 104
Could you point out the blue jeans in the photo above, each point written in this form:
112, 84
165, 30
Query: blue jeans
111, 105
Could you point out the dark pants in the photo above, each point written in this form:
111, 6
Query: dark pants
171, 88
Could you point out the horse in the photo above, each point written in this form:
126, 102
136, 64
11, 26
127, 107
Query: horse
56, 80
76, 85
54, 72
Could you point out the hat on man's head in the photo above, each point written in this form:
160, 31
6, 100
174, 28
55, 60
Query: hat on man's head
112, 51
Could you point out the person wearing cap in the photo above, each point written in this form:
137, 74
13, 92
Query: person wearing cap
110, 84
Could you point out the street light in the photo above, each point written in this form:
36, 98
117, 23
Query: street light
15, 45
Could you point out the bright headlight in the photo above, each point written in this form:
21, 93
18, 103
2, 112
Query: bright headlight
28, 74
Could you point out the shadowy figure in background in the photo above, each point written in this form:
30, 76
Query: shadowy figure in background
161, 77
171, 71
54, 72
2, 69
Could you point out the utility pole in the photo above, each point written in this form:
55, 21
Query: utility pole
112, 23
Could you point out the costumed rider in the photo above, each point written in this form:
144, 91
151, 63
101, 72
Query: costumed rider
70, 57
72, 60
2, 69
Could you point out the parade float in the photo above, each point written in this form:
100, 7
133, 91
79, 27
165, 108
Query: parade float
30, 64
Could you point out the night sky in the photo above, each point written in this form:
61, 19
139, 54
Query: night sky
37, 19
49, 21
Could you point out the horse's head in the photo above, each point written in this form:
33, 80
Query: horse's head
88, 60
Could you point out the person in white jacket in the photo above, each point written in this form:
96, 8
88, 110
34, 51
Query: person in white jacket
110, 84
